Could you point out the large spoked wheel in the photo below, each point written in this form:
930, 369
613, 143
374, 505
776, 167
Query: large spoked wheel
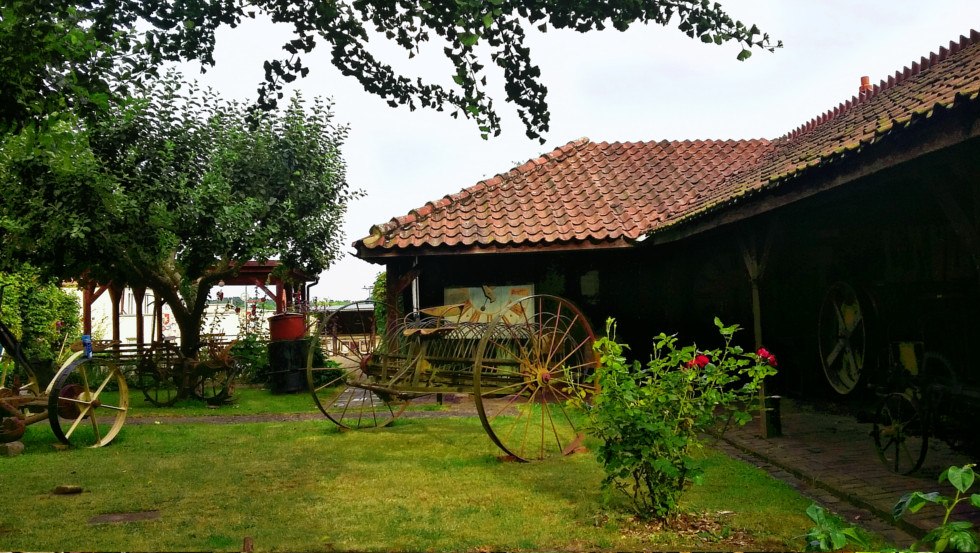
900, 433
844, 341
156, 377
87, 402
216, 385
342, 389
532, 376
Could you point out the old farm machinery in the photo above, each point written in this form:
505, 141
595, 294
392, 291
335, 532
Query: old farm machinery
527, 369
85, 401
923, 393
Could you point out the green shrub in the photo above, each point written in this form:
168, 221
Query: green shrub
650, 418
43, 317
251, 353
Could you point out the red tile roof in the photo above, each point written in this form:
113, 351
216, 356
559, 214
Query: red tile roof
611, 194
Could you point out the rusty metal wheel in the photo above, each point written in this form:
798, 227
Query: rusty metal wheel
343, 389
901, 433
843, 338
216, 385
156, 376
532, 376
87, 402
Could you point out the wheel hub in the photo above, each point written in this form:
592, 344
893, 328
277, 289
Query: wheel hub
69, 409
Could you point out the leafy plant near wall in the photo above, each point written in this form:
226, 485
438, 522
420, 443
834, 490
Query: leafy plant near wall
650, 418
41, 315
957, 534
832, 534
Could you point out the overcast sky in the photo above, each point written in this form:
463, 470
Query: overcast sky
649, 83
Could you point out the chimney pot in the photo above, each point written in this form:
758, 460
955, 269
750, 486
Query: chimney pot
865, 85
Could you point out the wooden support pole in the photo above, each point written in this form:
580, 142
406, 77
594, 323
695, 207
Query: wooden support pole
87, 300
158, 313
755, 265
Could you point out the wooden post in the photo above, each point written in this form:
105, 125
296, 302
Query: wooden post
87, 300
158, 313
756, 267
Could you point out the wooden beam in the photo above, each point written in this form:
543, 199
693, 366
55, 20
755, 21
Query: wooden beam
755, 265
963, 225
87, 299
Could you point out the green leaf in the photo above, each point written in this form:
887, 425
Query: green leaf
744, 55
816, 513
838, 540
914, 501
960, 477
469, 39
963, 541
856, 537
975, 500
487, 20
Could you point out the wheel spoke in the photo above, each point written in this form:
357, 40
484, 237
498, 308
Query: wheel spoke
832, 356
513, 400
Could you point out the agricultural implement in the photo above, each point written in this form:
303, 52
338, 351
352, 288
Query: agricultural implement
85, 401
528, 369
922, 394
164, 375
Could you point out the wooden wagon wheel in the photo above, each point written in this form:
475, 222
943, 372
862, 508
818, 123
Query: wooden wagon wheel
87, 401
843, 338
901, 433
532, 373
156, 375
347, 394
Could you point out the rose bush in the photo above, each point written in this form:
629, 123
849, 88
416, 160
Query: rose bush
650, 418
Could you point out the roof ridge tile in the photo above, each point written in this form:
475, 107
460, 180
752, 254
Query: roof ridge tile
899, 77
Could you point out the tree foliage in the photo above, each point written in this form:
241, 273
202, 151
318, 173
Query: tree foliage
173, 190
57, 46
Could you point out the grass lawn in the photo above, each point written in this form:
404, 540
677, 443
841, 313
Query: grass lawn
247, 401
423, 484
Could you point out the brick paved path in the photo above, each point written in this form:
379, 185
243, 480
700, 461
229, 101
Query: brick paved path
831, 457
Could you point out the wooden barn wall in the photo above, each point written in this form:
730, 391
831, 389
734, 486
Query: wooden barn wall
886, 235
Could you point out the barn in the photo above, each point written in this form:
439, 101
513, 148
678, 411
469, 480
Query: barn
849, 245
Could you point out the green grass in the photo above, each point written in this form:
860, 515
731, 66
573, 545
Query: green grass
423, 484
247, 401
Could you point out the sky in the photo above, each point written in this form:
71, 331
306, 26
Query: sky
649, 83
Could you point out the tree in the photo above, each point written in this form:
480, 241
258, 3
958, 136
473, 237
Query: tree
46, 59
174, 190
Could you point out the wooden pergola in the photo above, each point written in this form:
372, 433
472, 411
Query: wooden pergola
284, 293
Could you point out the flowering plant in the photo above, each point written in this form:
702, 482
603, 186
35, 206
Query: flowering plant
650, 418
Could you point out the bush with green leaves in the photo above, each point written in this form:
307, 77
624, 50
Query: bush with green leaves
957, 535
831, 533
651, 418
42, 316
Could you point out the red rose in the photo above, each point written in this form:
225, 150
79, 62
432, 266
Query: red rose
766, 357
699, 361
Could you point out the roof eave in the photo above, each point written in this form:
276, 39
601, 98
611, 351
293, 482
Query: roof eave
383, 255
943, 127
